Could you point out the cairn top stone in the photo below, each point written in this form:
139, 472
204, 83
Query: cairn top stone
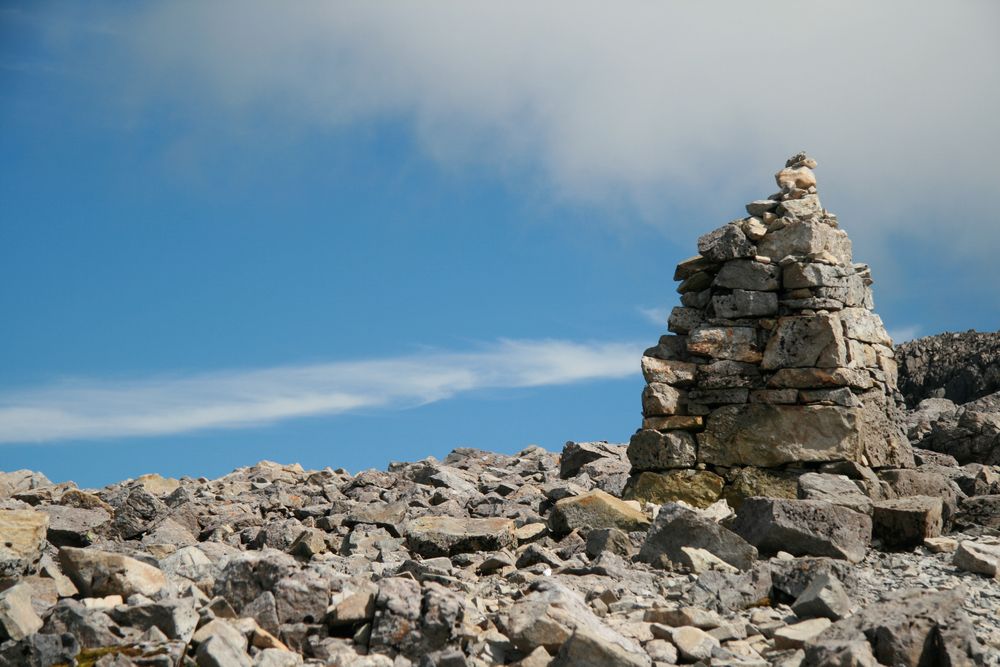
775, 357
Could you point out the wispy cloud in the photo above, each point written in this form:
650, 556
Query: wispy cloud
655, 315
85, 409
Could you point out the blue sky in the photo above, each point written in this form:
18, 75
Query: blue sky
342, 234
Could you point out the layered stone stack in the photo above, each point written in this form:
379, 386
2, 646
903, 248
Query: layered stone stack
775, 358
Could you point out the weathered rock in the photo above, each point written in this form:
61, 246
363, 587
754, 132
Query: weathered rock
906, 522
806, 341
177, 619
23, 534
216, 651
699, 488
97, 572
742, 303
728, 592
443, 535
660, 400
803, 238
978, 558
835, 489
804, 528
910, 628
797, 634
74, 526
676, 527
725, 243
613, 540
961, 367
743, 483
17, 618
652, 450
981, 511
693, 644
576, 455
748, 274
586, 648
772, 435
824, 597
735, 343
595, 509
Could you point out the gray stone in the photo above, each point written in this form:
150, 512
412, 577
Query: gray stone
799, 239
676, 527
74, 526
736, 343
99, 573
592, 510
759, 434
806, 341
652, 450
586, 648
799, 275
682, 320
17, 617
217, 652
980, 511
863, 325
678, 373
745, 303
728, 592
979, 558
660, 400
904, 523
432, 536
824, 597
911, 627
835, 489
747, 274
177, 619
759, 207
803, 528
576, 455
611, 540
726, 243
23, 534
692, 265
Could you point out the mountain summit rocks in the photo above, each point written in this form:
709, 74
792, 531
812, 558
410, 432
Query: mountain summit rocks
776, 358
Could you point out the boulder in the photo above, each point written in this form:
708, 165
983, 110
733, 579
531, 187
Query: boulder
98, 573
652, 450
699, 488
676, 528
803, 528
17, 617
905, 522
23, 534
980, 511
910, 628
979, 558
835, 489
595, 509
432, 536
764, 435
824, 597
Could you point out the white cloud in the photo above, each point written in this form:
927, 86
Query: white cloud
655, 315
81, 409
647, 102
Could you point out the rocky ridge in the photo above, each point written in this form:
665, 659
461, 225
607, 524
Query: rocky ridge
960, 367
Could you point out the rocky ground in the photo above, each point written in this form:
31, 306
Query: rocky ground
484, 559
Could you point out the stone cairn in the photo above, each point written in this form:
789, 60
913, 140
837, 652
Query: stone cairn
775, 360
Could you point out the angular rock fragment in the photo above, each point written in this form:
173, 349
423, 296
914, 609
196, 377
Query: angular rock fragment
593, 510
444, 535
804, 528
906, 522
676, 528
22, 534
979, 558
97, 572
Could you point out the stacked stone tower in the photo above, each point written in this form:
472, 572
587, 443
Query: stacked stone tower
775, 357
